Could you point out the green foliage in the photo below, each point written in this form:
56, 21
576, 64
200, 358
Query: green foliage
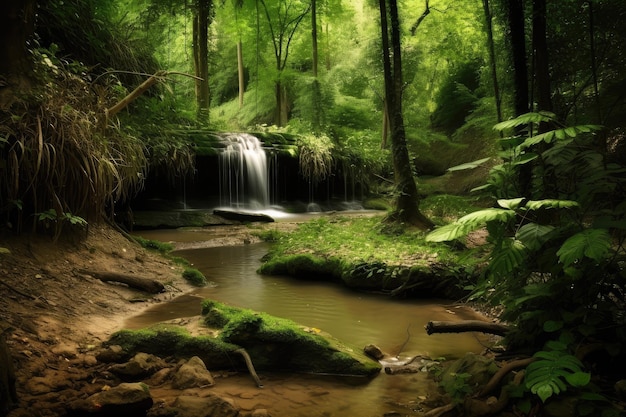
51, 216
456, 98
269, 235
553, 370
457, 387
556, 264
315, 156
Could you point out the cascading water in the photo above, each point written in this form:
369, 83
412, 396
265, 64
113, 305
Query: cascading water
243, 173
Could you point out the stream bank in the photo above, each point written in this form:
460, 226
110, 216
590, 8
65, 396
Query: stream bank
60, 318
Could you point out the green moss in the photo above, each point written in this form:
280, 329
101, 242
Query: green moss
195, 277
377, 204
302, 266
280, 344
155, 245
269, 235
164, 340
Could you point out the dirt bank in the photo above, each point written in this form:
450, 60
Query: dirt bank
59, 315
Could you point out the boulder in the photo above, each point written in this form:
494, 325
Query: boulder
140, 366
111, 354
124, 400
192, 374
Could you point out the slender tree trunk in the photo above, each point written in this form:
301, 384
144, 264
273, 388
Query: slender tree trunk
492, 59
517, 39
316, 93
407, 199
314, 35
240, 73
517, 33
594, 65
201, 56
541, 61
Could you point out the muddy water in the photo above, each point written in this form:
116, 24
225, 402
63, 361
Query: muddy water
356, 318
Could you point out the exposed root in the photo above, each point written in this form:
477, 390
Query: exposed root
250, 366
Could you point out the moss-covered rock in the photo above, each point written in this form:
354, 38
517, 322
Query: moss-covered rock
281, 344
274, 344
302, 266
163, 340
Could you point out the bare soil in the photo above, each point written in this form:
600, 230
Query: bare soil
59, 315
55, 317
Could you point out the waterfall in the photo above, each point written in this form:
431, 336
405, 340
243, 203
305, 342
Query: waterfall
243, 172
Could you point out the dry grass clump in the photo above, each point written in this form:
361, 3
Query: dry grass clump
57, 152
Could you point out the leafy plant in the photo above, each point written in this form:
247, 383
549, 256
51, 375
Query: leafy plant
556, 264
554, 370
52, 216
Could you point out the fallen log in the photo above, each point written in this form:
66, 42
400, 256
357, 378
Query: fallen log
144, 284
466, 326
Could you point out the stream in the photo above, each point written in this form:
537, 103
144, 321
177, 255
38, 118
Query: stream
359, 319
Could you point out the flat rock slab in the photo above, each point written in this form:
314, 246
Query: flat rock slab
242, 216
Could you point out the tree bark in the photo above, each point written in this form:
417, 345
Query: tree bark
201, 56
466, 326
407, 200
17, 27
141, 283
492, 59
541, 57
517, 39
240, 73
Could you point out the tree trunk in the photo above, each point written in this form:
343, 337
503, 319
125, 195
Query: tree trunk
407, 200
517, 39
240, 72
542, 61
316, 93
17, 27
492, 59
201, 56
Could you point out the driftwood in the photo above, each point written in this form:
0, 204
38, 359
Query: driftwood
466, 326
144, 284
402, 369
250, 366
